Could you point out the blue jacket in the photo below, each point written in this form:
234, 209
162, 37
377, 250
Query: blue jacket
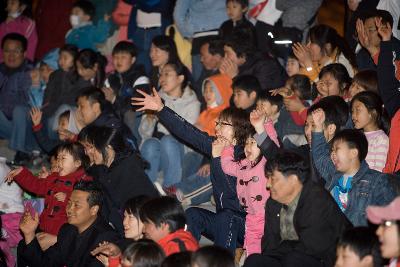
369, 187
224, 186
193, 16
89, 35
14, 87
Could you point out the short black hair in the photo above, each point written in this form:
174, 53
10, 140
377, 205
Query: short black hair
288, 163
133, 205
243, 3
247, 83
302, 84
144, 253
355, 139
363, 242
13, 36
213, 256
94, 95
77, 151
180, 259
239, 42
125, 47
380, 13
95, 197
64, 116
87, 7
266, 96
339, 73
215, 47
336, 111
166, 210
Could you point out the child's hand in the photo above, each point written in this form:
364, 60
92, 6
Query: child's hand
65, 135
293, 104
229, 68
10, 176
385, 31
204, 170
257, 119
106, 248
303, 54
109, 94
60, 196
283, 91
148, 102
318, 117
218, 145
44, 172
36, 116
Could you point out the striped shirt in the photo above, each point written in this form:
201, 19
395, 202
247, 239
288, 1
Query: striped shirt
378, 146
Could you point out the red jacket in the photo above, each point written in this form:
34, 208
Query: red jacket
393, 157
53, 215
178, 241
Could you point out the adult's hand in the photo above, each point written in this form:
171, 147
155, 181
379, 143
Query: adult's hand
148, 102
384, 29
303, 54
28, 226
229, 68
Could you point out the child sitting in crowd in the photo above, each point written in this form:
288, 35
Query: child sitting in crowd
369, 116
292, 65
358, 247
83, 33
216, 92
236, 11
164, 222
245, 91
56, 188
365, 80
351, 182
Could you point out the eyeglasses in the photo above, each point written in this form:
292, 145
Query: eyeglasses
15, 51
253, 179
219, 123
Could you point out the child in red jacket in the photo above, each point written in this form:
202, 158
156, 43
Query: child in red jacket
55, 188
164, 222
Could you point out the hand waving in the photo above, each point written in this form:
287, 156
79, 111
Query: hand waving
10, 176
148, 102
384, 30
36, 116
257, 119
319, 119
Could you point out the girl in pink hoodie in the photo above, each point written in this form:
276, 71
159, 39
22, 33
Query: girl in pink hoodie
250, 186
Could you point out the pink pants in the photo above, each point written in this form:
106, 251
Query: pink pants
254, 232
11, 235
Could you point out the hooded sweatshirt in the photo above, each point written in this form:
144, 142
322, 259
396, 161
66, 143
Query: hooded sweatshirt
178, 241
222, 87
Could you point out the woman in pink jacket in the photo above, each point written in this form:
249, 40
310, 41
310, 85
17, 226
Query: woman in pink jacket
19, 22
251, 186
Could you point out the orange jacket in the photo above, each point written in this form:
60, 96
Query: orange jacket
223, 84
178, 241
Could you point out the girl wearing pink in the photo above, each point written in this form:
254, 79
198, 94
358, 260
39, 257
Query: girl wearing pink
19, 23
251, 187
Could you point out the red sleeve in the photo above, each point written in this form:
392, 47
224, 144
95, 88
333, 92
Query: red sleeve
114, 261
37, 128
31, 183
299, 117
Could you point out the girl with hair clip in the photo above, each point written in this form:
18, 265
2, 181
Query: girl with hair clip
248, 168
19, 20
56, 189
91, 67
369, 116
324, 46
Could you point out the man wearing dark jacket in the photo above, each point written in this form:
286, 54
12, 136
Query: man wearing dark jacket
241, 58
83, 232
303, 222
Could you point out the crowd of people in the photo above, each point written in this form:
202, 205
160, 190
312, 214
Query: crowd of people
141, 127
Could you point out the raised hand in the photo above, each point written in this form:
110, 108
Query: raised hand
218, 145
283, 91
363, 38
257, 119
229, 68
148, 102
293, 104
318, 117
46, 240
28, 225
303, 54
10, 176
36, 116
384, 30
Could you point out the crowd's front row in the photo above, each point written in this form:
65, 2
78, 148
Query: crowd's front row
308, 217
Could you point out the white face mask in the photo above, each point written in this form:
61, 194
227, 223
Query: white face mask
74, 20
15, 14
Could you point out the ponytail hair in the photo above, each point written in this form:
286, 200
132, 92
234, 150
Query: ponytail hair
88, 59
323, 34
374, 105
